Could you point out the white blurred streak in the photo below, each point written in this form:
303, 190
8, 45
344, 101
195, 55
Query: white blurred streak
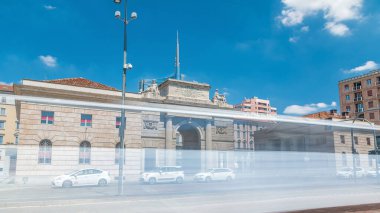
188, 110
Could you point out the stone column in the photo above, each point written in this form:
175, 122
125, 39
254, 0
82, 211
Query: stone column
168, 132
208, 135
170, 158
208, 148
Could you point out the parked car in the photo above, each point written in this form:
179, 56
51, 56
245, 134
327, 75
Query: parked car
215, 174
372, 172
347, 172
84, 177
163, 175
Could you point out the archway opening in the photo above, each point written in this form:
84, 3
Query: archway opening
188, 148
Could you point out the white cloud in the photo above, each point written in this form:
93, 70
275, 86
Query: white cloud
49, 7
369, 65
334, 12
291, 17
293, 39
305, 29
9, 84
337, 29
308, 108
48, 60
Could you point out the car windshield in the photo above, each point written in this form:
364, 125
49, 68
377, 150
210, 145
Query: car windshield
72, 172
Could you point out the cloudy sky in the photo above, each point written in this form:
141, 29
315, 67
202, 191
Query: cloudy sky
293, 52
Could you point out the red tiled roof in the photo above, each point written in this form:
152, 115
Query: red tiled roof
5, 87
81, 82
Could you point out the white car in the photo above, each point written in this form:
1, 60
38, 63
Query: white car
215, 174
347, 172
163, 174
84, 177
372, 172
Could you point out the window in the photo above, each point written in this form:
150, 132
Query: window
344, 159
369, 82
346, 87
47, 117
347, 97
3, 99
348, 108
44, 154
371, 115
342, 139
2, 111
359, 107
356, 140
369, 92
117, 153
369, 141
85, 152
86, 120
1, 139
2, 124
370, 104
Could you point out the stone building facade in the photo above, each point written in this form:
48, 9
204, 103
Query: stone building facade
57, 137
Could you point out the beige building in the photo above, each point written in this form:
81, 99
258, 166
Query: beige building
360, 96
57, 138
8, 132
8, 118
256, 105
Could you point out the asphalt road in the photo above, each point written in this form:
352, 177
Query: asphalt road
239, 196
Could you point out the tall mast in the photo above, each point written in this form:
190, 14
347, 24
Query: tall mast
177, 64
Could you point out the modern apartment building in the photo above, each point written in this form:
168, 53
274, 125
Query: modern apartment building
256, 105
360, 96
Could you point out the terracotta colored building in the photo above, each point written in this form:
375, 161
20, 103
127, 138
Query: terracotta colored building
360, 96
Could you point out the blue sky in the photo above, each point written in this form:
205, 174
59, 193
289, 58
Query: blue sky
292, 51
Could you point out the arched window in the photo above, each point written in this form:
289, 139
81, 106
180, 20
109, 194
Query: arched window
251, 145
85, 152
239, 144
117, 153
44, 154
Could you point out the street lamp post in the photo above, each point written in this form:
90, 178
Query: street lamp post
126, 66
353, 152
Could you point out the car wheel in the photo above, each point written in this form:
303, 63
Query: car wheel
102, 182
152, 181
67, 184
229, 179
179, 180
208, 179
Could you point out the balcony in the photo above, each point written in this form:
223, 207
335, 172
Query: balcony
359, 110
358, 99
356, 88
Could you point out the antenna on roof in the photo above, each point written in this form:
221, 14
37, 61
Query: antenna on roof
177, 64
